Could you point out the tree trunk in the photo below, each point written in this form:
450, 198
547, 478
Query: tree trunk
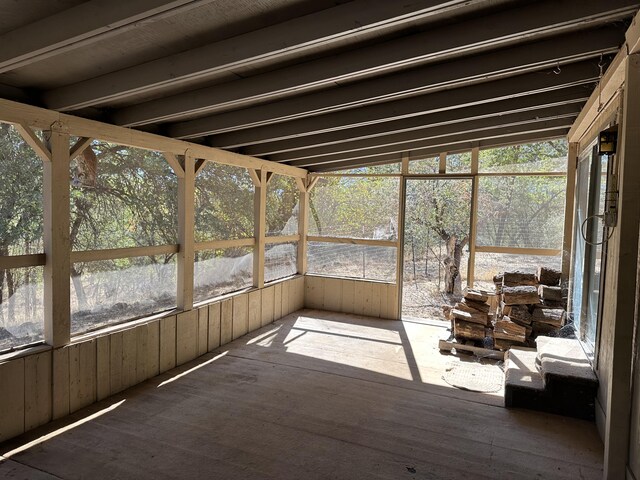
452, 278
79, 289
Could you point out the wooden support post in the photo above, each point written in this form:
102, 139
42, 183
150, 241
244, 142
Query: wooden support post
186, 221
400, 245
622, 260
404, 166
57, 245
259, 226
567, 239
303, 224
442, 166
471, 269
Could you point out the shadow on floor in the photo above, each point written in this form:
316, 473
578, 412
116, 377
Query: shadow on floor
316, 395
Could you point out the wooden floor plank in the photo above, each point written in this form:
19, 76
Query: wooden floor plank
310, 397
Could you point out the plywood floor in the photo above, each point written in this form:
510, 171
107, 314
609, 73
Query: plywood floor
316, 395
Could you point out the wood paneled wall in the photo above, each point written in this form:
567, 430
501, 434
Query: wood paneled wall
362, 297
50, 384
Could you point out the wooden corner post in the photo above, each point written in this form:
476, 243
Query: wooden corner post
622, 261
471, 269
303, 223
260, 181
57, 244
567, 239
186, 225
402, 201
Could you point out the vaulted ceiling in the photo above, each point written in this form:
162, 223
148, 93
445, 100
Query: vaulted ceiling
317, 84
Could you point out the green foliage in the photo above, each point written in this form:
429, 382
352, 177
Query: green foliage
438, 209
21, 213
548, 156
358, 207
133, 202
282, 206
372, 170
224, 203
521, 211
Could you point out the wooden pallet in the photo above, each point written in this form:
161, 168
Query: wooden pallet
447, 346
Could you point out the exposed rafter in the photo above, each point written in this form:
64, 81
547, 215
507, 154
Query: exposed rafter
462, 146
460, 72
406, 140
573, 95
530, 83
510, 27
80, 25
322, 28
536, 125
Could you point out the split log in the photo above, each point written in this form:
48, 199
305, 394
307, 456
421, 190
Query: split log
554, 304
504, 345
477, 317
505, 309
507, 330
446, 311
517, 278
520, 314
548, 276
550, 316
540, 328
525, 295
553, 294
472, 331
471, 306
475, 296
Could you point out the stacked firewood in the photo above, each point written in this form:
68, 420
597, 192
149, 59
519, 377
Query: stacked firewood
470, 318
523, 306
531, 305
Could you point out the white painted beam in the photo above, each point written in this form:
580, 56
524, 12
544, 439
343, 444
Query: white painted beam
78, 26
186, 220
29, 136
546, 53
57, 244
608, 87
35, 117
326, 27
259, 226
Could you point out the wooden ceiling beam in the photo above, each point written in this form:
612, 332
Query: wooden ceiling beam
405, 140
79, 26
457, 147
510, 27
536, 126
527, 84
458, 72
323, 28
528, 103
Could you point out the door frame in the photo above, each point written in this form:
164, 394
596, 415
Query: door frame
402, 223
